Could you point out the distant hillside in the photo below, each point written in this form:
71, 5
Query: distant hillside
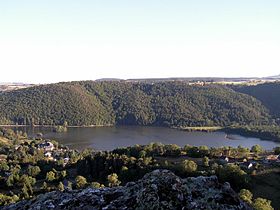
52, 104
273, 77
13, 86
268, 94
130, 103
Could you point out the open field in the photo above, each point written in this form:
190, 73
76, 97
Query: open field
204, 128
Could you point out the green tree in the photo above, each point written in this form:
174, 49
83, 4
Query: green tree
276, 150
204, 150
27, 180
44, 186
262, 204
205, 161
246, 195
10, 181
25, 191
33, 170
80, 181
69, 185
5, 199
63, 173
4, 166
50, 176
113, 180
234, 175
189, 166
257, 149
142, 154
95, 185
60, 186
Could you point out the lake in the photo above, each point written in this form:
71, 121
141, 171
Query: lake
109, 138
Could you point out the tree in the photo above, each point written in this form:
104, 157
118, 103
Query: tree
63, 173
234, 175
50, 176
25, 191
95, 185
33, 170
189, 166
172, 150
142, 154
10, 181
80, 181
262, 204
204, 150
60, 186
69, 185
5, 199
44, 186
257, 149
205, 161
246, 195
4, 166
113, 180
65, 124
277, 150
27, 180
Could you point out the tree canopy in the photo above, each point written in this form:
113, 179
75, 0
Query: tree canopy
130, 103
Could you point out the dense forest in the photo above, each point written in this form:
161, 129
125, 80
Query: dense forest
267, 93
131, 103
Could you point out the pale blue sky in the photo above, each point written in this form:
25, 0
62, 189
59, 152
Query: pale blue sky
62, 40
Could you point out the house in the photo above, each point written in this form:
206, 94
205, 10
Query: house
48, 154
247, 165
272, 158
47, 146
65, 161
223, 160
17, 147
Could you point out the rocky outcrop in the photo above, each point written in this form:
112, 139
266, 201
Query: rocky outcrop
160, 189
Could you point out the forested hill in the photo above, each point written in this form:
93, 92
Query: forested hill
130, 103
268, 94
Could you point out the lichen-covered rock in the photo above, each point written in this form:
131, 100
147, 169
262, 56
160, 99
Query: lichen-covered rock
160, 189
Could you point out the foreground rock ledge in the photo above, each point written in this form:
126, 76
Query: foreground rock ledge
160, 189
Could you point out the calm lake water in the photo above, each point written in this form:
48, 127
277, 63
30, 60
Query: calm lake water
109, 138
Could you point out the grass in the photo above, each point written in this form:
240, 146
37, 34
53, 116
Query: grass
203, 128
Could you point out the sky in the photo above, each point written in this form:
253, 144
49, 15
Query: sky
64, 40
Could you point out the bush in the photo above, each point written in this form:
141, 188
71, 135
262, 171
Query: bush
234, 175
113, 180
246, 195
80, 181
262, 204
189, 166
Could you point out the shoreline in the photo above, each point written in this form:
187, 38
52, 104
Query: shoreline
200, 129
51, 126
227, 130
